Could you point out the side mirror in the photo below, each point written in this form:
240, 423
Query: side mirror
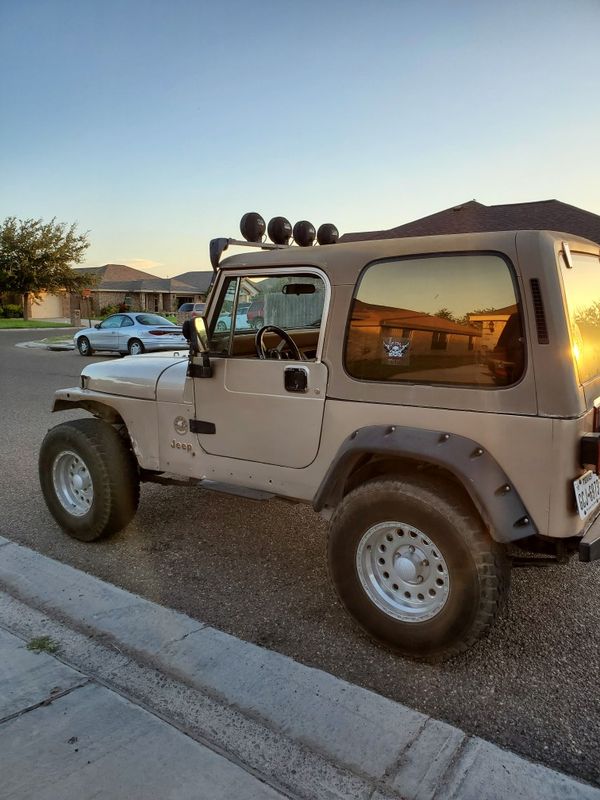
199, 327
194, 331
97, 325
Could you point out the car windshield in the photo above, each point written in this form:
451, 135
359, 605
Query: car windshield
152, 319
582, 290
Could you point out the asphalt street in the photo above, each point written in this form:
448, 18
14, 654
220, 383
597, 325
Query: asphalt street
258, 571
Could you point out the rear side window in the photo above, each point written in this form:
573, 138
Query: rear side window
152, 319
448, 319
582, 289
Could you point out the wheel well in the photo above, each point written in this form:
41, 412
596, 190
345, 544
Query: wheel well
97, 409
376, 466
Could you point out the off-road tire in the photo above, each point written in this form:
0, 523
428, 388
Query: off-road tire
132, 342
113, 471
84, 346
478, 568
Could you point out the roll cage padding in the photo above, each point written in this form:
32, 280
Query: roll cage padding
473, 466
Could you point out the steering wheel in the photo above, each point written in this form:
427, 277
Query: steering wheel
286, 339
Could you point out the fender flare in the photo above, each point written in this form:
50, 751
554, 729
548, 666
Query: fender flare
490, 489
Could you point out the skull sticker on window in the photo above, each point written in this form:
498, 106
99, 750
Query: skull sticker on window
397, 349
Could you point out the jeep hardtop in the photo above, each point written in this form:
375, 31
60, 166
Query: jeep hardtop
435, 398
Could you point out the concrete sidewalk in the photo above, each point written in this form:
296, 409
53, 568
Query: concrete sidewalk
65, 736
139, 701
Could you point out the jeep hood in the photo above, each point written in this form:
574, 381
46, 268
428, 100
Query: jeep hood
132, 376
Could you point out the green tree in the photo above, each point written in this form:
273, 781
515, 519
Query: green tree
36, 256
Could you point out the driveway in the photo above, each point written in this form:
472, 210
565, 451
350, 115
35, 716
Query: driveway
258, 571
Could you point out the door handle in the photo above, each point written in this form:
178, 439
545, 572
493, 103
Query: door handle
295, 379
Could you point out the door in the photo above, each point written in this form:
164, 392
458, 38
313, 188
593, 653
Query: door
267, 408
124, 332
107, 335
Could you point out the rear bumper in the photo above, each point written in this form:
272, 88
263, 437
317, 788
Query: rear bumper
589, 546
153, 344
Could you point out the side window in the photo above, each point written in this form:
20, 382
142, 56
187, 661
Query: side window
292, 302
127, 321
450, 319
221, 324
112, 322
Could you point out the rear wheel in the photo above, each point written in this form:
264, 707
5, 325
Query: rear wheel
221, 326
89, 478
413, 564
84, 347
135, 347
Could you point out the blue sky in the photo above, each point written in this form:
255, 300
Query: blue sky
155, 125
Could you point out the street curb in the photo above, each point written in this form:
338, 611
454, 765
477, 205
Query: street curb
398, 751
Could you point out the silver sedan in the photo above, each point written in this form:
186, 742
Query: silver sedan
133, 333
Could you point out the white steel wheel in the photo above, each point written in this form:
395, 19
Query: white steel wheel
72, 483
403, 571
413, 564
89, 478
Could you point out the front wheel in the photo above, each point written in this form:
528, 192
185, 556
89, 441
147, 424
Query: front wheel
135, 347
89, 478
412, 563
84, 347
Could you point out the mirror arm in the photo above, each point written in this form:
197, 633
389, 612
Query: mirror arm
203, 370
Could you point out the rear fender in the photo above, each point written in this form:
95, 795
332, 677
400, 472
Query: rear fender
492, 493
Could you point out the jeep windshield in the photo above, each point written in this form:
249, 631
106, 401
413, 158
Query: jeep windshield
582, 291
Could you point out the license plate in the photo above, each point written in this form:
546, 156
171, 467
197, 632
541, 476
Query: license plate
587, 493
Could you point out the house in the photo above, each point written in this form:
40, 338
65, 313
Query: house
473, 217
428, 334
119, 284
201, 281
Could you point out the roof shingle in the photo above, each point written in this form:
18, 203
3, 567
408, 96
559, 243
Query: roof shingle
474, 217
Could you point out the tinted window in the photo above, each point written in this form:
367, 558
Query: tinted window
582, 288
127, 321
445, 319
186, 307
152, 319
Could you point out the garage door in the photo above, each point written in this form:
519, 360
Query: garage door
49, 307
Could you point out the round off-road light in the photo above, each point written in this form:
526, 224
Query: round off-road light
279, 230
252, 227
327, 233
304, 233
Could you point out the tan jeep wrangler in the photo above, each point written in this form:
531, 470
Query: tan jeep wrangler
435, 398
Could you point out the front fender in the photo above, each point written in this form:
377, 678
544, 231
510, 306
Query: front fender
138, 416
496, 499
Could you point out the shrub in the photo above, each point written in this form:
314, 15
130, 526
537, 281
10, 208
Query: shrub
12, 311
108, 310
